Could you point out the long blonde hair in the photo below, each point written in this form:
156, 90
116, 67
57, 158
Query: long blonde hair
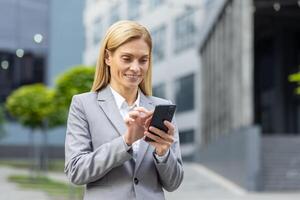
118, 34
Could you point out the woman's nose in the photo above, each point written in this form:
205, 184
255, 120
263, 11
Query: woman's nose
134, 66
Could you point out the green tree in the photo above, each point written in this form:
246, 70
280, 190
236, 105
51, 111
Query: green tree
296, 78
37, 107
32, 105
78, 79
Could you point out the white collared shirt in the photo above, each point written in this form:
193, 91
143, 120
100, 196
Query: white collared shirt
124, 109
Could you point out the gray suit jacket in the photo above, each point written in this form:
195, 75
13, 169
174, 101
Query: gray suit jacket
96, 155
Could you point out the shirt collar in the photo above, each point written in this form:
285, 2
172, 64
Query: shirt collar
120, 101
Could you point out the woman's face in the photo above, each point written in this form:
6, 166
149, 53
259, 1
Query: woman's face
128, 64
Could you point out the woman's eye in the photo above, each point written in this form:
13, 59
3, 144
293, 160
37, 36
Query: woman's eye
126, 59
144, 61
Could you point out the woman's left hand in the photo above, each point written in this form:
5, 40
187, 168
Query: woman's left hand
162, 141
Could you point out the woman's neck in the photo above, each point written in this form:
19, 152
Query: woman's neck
129, 94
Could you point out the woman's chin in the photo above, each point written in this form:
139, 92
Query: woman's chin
132, 85
132, 82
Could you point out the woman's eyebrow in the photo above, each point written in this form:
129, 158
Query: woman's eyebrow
130, 54
145, 56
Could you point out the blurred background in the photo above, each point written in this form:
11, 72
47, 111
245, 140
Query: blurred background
231, 66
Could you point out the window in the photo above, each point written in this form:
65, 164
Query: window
186, 136
15, 72
114, 16
159, 38
97, 32
134, 9
185, 30
159, 90
155, 3
184, 96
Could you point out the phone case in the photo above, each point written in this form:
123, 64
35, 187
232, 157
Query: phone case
162, 113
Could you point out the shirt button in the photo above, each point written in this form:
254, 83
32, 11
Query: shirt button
136, 181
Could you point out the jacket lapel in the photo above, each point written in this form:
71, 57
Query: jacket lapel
107, 103
143, 146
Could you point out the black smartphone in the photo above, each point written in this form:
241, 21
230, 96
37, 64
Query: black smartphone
161, 113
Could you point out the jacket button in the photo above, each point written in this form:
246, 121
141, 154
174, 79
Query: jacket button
136, 181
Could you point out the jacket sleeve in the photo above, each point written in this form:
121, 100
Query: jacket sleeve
171, 170
83, 164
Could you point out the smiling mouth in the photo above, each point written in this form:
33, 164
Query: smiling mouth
132, 76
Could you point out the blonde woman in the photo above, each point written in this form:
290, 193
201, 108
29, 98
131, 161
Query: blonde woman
105, 147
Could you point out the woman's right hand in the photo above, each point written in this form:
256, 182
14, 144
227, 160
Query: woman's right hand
136, 122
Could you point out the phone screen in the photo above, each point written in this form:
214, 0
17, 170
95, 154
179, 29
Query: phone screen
162, 113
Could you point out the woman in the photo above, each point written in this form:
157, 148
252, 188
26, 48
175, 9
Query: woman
105, 147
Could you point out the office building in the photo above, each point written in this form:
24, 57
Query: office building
175, 51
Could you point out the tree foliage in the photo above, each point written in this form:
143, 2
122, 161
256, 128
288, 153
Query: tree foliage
31, 105
78, 79
296, 78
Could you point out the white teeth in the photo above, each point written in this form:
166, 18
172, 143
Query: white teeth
131, 76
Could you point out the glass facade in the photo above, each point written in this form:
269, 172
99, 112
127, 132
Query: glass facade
185, 31
23, 56
98, 31
184, 96
155, 3
134, 7
15, 72
114, 14
160, 90
186, 136
159, 38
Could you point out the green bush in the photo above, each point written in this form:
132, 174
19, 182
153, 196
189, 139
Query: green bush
296, 78
38, 107
31, 105
78, 79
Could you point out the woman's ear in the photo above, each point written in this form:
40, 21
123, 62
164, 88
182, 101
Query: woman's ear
107, 57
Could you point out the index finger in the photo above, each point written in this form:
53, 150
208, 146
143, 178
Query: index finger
144, 110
